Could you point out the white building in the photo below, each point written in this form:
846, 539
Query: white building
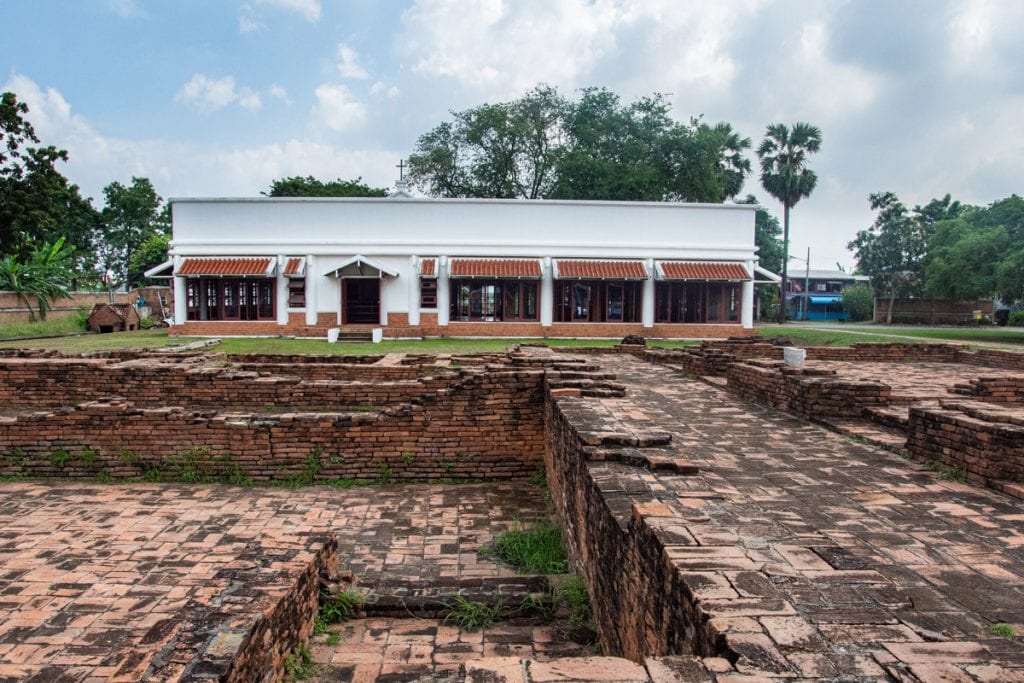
462, 267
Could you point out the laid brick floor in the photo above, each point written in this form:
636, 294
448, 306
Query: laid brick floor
419, 649
843, 559
125, 582
912, 381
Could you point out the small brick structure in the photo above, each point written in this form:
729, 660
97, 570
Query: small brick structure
113, 318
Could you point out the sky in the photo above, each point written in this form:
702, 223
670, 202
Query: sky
220, 97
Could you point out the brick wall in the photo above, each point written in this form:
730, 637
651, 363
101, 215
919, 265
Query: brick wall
993, 358
806, 392
487, 423
1007, 389
987, 443
640, 605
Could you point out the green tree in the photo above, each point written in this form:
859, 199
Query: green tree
40, 279
151, 253
785, 176
859, 301
544, 146
297, 186
37, 203
505, 150
767, 233
132, 214
891, 252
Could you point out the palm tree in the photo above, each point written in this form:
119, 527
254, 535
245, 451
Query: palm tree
783, 156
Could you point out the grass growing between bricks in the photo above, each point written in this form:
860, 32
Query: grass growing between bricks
537, 550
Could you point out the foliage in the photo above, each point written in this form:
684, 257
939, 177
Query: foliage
891, 252
1002, 630
1016, 319
538, 550
470, 615
300, 666
37, 203
132, 215
40, 279
785, 176
573, 594
151, 252
859, 301
339, 607
68, 324
545, 146
297, 186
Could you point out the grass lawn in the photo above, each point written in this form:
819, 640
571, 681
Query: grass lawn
801, 336
68, 324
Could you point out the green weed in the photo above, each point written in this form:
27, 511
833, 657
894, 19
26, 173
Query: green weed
538, 550
88, 454
59, 458
385, 473
300, 666
470, 615
573, 595
333, 639
408, 457
126, 456
336, 608
540, 477
1002, 630
103, 476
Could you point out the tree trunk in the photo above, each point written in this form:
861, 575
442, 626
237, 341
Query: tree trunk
892, 302
785, 262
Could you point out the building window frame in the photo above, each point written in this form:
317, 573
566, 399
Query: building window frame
247, 299
494, 300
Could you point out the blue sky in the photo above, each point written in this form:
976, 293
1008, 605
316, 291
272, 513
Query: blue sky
219, 97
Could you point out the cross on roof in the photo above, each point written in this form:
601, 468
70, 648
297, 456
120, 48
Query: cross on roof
401, 169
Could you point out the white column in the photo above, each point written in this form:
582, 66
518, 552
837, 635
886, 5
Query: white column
443, 292
311, 287
383, 304
647, 308
282, 292
180, 304
414, 292
547, 292
747, 300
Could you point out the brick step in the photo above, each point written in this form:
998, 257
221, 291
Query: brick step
893, 417
863, 429
526, 595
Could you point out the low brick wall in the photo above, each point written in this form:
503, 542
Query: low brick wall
488, 424
993, 389
993, 358
987, 443
275, 634
154, 382
806, 392
640, 605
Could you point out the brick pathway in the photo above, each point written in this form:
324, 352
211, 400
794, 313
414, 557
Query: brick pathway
119, 582
836, 558
911, 381
427, 649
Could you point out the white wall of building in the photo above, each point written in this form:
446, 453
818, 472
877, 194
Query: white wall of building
391, 230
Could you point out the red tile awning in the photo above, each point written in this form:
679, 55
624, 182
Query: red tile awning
428, 267
495, 268
697, 270
295, 266
600, 270
246, 266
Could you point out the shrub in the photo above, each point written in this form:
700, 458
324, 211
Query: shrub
1016, 319
859, 301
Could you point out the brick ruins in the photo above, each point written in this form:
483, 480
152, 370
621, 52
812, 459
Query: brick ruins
696, 603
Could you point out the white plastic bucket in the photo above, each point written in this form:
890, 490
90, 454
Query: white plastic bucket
794, 356
332, 335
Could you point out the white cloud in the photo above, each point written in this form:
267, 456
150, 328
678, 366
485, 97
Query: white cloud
181, 169
126, 8
279, 93
337, 109
309, 9
248, 22
348, 63
211, 94
382, 88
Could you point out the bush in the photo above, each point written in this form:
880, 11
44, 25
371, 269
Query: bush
537, 550
1016, 319
859, 301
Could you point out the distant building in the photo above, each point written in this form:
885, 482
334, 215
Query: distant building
113, 318
462, 267
818, 294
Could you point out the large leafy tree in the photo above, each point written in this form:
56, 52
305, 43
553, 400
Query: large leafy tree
892, 251
767, 239
544, 146
37, 203
40, 278
297, 186
505, 150
785, 176
132, 215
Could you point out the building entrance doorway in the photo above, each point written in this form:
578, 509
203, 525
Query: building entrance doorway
360, 301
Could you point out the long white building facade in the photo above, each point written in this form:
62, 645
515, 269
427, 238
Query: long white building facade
462, 267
